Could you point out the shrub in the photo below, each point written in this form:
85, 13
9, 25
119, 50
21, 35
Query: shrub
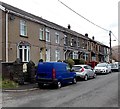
82, 61
79, 61
59, 61
70, 62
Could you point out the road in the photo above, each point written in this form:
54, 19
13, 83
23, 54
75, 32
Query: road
99, 92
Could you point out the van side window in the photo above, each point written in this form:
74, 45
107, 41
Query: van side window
68, 68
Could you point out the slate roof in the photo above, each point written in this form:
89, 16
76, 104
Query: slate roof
48, 23
44, 21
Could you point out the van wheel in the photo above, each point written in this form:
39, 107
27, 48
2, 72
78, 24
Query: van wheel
74, 81
40, 85
59, 84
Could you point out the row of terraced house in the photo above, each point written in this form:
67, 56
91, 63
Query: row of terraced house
29, 37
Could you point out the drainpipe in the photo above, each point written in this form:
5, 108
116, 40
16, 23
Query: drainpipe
6, 28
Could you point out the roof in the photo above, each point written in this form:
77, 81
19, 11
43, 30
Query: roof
45, 22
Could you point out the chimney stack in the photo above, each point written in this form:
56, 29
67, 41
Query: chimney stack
69, 27
93, 38
86, 34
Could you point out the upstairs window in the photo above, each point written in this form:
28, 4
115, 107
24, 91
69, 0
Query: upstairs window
47, 36
57, 38
65, 39
41, 35
78, 43
23, 28
72, 42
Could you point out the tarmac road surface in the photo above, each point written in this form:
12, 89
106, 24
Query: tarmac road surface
99, 92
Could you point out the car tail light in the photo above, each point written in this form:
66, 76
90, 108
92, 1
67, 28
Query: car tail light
53, 73
82, 70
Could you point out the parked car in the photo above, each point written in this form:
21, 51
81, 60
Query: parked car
55, 73
102, 68
115, 66
84, 71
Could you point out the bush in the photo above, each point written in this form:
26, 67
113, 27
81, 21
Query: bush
59, 61
82, 61
70, 62
79, 61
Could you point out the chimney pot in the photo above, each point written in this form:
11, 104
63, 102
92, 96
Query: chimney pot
69, 27
86, 34
93, 38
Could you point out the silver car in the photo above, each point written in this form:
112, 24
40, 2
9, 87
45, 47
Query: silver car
84, 71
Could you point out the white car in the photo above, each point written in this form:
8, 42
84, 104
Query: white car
102, 68
115, 66
84, 71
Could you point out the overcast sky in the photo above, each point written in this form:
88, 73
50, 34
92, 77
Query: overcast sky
101, 12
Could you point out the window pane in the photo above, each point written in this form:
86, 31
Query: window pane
23, 28
28, 55
41, 34
47, 36
57, 38
25, 55
20, 54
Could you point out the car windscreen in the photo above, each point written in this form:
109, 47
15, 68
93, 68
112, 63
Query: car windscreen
101, 65
77, 68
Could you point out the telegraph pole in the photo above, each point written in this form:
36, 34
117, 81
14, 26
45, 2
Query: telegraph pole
110, 58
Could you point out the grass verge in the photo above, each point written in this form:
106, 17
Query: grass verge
6, 84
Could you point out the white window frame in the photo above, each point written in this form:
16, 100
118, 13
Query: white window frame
41, 55
78, 43
47, 35
65, 39
23, 28
72, 41
57, 38
75, 55
47, 55
57, 55
23, 48
41, 34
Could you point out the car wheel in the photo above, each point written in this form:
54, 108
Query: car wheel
59, 84
86, 78
107, 72
74, 81
94, 75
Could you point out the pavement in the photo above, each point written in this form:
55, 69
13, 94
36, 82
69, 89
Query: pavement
25, 87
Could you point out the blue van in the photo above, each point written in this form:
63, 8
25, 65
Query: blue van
55, 73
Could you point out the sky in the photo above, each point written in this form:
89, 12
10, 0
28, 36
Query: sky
101, 12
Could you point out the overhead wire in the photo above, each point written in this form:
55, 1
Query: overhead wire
116, 38
87, 19
82, 16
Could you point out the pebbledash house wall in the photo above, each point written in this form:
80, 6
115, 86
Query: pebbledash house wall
14, 39
36, 45
53, 46
32, 38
